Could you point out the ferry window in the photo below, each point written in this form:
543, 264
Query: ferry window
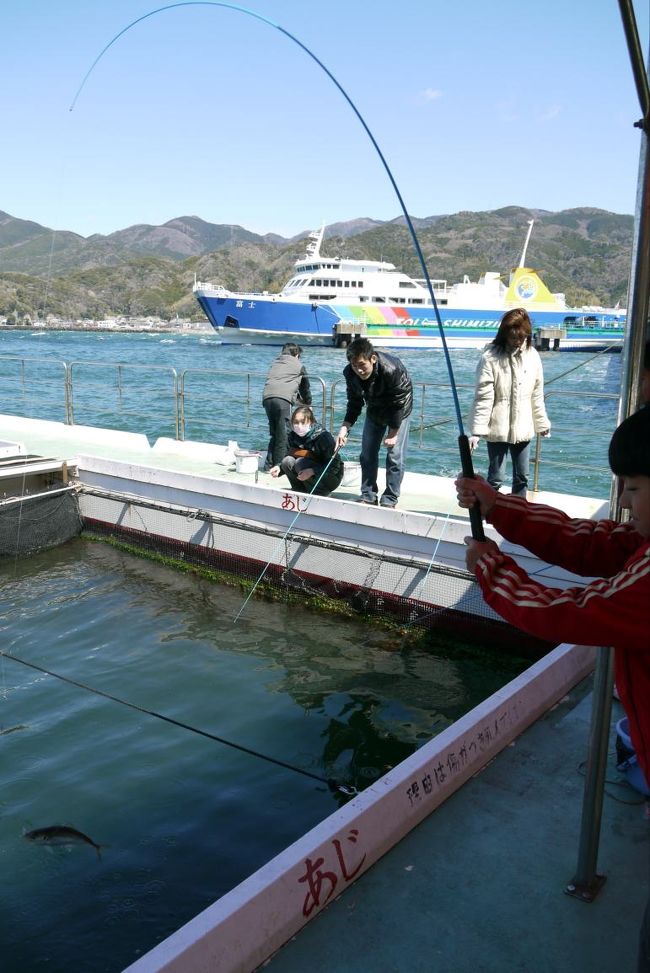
417, 300
319, 282
312, 283
346, 283
353, 283
362, 299
406, 283
381, 300
359, 283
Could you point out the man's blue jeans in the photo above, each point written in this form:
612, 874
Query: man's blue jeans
371, 440
520, 455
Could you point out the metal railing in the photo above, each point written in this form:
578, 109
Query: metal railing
216, 405
106, 390
200, 404
31, 387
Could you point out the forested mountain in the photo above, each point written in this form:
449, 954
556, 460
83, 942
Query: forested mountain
149, 270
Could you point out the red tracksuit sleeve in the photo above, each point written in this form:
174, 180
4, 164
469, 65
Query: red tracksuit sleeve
590, 548
610, 611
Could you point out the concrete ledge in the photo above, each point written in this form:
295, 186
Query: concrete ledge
78, 437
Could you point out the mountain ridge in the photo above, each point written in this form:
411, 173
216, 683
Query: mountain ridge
146, 269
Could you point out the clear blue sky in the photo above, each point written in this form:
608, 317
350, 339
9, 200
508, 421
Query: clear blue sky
206, 111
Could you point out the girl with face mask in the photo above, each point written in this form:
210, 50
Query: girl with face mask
312, 463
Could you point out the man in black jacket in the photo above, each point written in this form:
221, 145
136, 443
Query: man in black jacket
381, 383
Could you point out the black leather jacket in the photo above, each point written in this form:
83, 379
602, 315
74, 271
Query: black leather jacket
387, 394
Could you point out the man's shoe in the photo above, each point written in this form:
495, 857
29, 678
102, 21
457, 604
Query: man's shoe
369, 503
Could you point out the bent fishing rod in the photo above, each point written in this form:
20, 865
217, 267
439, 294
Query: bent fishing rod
463, 442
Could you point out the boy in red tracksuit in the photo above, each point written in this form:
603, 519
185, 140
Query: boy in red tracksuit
610, 611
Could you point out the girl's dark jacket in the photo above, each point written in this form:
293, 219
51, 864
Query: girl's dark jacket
318, 445
387, 393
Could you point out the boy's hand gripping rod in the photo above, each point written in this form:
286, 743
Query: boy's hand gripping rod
468, 470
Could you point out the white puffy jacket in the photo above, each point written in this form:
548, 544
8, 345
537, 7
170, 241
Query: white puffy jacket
508, 402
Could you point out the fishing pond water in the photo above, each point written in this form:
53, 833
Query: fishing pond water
179, 818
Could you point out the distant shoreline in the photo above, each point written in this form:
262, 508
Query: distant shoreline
158, 328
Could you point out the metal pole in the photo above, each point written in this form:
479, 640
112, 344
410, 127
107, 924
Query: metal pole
587, 882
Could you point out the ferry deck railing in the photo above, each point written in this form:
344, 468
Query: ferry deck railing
216, 405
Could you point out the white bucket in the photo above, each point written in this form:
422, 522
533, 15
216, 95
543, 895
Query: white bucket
246, 461
351, 475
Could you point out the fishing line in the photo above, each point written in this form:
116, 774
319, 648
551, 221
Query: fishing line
332, 784
463, 443
281, 542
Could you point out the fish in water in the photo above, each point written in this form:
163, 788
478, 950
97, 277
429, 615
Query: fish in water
13, 729
61, 834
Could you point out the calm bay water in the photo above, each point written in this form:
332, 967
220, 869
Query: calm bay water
221, 396
180, 818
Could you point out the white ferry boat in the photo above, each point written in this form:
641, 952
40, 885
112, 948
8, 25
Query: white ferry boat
329, 300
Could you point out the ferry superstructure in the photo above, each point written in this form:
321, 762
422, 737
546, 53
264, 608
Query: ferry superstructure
328, 300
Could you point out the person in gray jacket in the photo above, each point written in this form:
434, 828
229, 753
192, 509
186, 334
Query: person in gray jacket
286, 382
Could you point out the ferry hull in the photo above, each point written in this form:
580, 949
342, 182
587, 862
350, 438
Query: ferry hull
267, 320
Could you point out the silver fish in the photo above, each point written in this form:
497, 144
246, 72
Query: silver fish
61, 834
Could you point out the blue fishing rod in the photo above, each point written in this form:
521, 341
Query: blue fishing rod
463, 442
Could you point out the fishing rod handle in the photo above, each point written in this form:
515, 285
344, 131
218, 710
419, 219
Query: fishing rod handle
468, 470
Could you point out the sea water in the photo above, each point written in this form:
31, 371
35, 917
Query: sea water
180, 818
188, 385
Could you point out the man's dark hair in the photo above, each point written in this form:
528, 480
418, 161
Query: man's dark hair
646, 355
629, 449
290, 348
360, 348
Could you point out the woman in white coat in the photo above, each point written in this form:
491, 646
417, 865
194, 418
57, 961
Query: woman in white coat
508, 407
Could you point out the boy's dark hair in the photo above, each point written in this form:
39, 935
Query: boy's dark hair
629, 449
360, 348
291, 348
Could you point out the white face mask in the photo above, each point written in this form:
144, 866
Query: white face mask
301, 428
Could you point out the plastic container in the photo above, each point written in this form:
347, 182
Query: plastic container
225, 455
626, 758
351, 475
246, 461
9, 449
